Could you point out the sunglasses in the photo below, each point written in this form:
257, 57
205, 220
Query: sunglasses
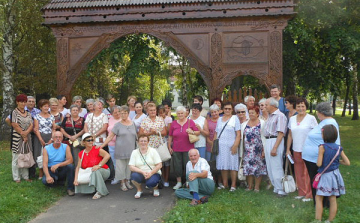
89, 140
239, 112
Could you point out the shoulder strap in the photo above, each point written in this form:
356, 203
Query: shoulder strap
144, 159
223, 128
337, 153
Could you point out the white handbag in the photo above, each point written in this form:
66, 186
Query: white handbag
288, 182
84, 174
163, 150
39, 159
241, 175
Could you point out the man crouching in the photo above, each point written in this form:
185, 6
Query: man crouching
199, 178
57, 164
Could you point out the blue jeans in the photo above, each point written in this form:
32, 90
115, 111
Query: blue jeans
151, 182
112, 154
60, 175
202, 151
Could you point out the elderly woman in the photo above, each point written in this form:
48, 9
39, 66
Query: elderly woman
22, 125
95, 159
314, 138
152, 125
298, 128
77, 100
125, 133
54, 111
44, 125
253, 143
145, 164
201, 124
96, 123
249, 101
140, 116
114, 118
218, 102
131, 103
228, 132
62, 103
72, 128
178, 142
263, 112
242, 112
89, 106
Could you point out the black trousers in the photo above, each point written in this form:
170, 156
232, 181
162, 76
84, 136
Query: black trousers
312, 169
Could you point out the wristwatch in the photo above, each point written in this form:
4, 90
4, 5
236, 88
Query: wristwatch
100, 165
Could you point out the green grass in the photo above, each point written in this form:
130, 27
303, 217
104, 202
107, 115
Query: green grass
22, 202
242, 206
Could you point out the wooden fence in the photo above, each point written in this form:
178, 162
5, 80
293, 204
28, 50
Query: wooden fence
237, 96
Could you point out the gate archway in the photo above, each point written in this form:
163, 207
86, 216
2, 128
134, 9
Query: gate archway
222, 39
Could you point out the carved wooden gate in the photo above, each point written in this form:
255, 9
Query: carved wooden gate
222, 39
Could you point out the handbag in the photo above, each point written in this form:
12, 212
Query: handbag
215, 148
84, 174
160, 183
39, 159
78, 140
318, 175
163, 150
25, 160
241, 175
192, 138
288, 182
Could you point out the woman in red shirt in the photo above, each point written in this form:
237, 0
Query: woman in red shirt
94, 158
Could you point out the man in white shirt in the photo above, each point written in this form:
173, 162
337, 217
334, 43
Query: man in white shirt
199, 178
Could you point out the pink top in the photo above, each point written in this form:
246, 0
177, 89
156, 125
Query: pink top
212, 127
181, 141
112, 122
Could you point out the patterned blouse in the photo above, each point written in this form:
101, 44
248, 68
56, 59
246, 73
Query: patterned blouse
17, 143
158, 125
45, 124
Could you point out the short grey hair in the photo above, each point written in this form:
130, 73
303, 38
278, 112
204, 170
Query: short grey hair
113, 108
324, 108
240, 106
214, 107
90, 100
97, 102
273, 102
31, 97
180, 108
247, 98
262, 100
74, 106
124, 108
146, 101
197, 152
75, 98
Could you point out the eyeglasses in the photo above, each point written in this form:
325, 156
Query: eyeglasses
227, 108
239, 112
89, 140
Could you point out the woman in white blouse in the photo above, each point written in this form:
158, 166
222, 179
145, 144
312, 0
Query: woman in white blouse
299, 127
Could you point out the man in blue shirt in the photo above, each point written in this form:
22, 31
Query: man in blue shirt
275, 93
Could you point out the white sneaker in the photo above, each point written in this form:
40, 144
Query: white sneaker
166, 184
177, 186
115, 181
306, 199
299, 197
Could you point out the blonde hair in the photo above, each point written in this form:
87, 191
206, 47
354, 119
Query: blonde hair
54, 101
131, 97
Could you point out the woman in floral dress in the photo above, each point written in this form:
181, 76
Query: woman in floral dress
254, 157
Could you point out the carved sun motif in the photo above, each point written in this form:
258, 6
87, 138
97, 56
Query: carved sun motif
198, 44
246, 47
77, 48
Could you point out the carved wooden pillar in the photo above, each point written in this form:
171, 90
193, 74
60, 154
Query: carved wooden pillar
275, 59
62, 48
216, 84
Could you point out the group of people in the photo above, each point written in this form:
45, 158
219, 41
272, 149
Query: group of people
120, 143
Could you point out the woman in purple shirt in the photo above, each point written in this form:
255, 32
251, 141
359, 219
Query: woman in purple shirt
178, 136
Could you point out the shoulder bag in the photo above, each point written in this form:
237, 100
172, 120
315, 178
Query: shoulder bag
25, 160
192, 137
84, 174
163, 150
78, 140
215, 149
288, 182
241, 175
318, 175
160, 183
39, 159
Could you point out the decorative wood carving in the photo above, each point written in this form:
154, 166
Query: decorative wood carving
62, 48
275, 60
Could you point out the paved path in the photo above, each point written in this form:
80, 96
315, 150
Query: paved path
118, 206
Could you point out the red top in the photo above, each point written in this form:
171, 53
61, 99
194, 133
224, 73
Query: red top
181, 141
91, 159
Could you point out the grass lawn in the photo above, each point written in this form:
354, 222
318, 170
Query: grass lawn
242, 206
22, 202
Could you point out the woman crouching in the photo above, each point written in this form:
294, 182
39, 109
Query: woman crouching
95, 158
145, 164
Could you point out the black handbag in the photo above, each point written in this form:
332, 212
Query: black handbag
215, 148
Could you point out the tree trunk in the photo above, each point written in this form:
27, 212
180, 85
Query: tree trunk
184, 90
152, 80
7, 66
350, 107
355, 94
346, 95
334, 103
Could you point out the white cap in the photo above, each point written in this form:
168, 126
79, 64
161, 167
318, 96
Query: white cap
85, 136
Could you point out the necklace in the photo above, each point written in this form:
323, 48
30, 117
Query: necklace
22, 112
299, 119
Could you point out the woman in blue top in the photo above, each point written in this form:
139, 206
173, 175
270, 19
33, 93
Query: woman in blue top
331, 183
314, 139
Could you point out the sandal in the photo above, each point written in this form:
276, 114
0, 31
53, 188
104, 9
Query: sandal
96, 196
123, 187
138, 194
156, 193
256, 190
128, 185
220, 187
232, 189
